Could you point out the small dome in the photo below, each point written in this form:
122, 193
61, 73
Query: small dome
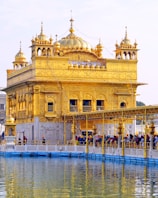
42, 36
57, 45
99, 45
126, 41
20, 56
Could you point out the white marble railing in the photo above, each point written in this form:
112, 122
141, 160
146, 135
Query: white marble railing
131, 152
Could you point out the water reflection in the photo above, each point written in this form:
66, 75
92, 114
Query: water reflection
62, 177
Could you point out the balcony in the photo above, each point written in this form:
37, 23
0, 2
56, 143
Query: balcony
87, 108
100, 108
73, 108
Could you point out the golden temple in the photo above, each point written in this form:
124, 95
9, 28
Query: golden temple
64, 77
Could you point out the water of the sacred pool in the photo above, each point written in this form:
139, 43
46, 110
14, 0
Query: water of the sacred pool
42, 177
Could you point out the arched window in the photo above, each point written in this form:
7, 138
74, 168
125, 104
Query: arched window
39, 52
124, 55
128, 56
133, 56
118, 56
122, 105
48, 52
44, 52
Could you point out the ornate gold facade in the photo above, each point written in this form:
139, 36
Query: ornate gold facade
67, 76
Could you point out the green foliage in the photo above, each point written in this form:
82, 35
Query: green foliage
139, 103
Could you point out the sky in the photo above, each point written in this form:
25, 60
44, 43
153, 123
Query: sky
94, 20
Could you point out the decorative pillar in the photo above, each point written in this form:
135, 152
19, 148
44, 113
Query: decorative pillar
87, 149
93, 105
152, 131
36, 111
80, 105
10, 133
64, 131
73, 131
145, 136
36, 103
145, 141
7, 106
94, 134
120, 133
103, 145
123, 141
10, 126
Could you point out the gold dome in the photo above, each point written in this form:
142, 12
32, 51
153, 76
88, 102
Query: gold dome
41, 36
126, 41
99, 46
56, 44
20, 60
73, 42
20, 57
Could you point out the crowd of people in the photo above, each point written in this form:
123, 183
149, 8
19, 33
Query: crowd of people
113, 139
109, 140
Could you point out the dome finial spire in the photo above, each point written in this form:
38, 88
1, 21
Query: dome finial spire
56, 37
20, 46
125, 32
71, 21
41, 28
71, 13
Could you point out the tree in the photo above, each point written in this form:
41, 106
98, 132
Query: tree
138, 104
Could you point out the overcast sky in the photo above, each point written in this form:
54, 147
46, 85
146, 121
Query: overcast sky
20, 20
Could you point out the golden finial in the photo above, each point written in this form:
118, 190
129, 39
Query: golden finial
71, 21
100, 43
51, 37
56, 36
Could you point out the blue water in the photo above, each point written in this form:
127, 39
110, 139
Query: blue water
42, 177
